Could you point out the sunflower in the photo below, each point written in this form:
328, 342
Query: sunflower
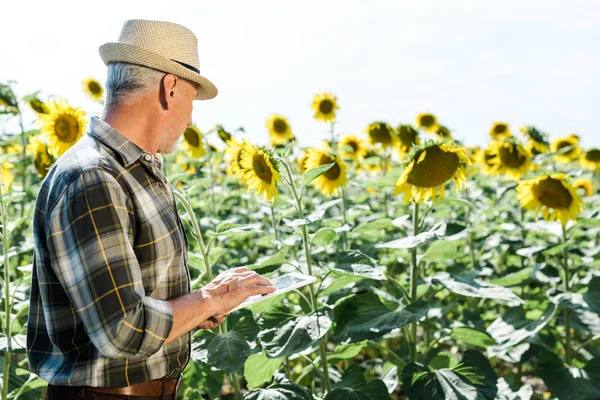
585, 184
233, 154
279, 130
511, 158
42, 160
351, 147
427, 122
35, 103
335, 177
7, 176
371, 161
93, 89
538, 141
185, 165
443, 132
223, 134
552, 195
428, 169
382, 134
571, 154
485, 159
193, 142
324, 106
260, 171
408, 137
590, 159
62, 126
500, 131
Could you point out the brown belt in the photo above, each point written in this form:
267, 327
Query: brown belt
155, 388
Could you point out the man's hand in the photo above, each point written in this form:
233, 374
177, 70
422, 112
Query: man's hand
230, 288
212, 322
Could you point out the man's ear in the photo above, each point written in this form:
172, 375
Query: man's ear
168, 84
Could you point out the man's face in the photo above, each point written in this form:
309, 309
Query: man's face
180, 116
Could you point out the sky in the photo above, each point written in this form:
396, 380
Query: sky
468, 62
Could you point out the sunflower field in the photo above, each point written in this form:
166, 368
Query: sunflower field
443, 271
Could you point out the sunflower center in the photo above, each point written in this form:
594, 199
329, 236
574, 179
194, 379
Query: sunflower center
66, 128
94, 87
488, 157
332, 173
499, 128
354, 145
563, 144
552, 193
261, 168
326, 106
407, 135
192, 137
279, 126
437, 167
427, 120
381, 134
511, 157
593, 155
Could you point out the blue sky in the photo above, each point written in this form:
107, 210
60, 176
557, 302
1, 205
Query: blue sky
469, 62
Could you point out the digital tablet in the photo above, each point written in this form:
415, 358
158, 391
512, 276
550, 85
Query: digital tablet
283, 284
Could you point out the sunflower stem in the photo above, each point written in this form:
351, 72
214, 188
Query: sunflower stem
197, 232
567, 311
413, 282
211, 175
274, 223
385, 192
345, 217
23, 162
471, 238
7, 302
313, 297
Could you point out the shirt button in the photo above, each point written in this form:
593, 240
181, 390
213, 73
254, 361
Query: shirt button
147, 157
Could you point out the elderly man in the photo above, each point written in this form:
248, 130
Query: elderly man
111, 307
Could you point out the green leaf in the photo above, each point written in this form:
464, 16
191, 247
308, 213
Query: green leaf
197, 185
259, 369
454, 201
363, 316
323, 237
314, 173
339, 283
228, 352
514, 279
215, 254
271, 263
436, 232
283, 391
382, 223
385, 181
18, 342
231, 230
512, 328
440, 251
569, 383
315, 216
247, 327
355, 262
505, 393
467, 285
353, 385
472, 336
295, 335
471, 379
346, 351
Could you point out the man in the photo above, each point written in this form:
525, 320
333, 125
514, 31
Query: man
111, 308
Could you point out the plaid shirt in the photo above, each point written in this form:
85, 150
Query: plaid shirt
110, 249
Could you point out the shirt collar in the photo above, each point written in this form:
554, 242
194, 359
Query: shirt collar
112, 138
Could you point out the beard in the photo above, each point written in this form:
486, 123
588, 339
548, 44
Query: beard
169, 143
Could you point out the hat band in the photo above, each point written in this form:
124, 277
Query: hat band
188, 66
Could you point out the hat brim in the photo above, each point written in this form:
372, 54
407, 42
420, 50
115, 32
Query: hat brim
123, 52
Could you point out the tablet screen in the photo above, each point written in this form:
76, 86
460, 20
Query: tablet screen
282, 282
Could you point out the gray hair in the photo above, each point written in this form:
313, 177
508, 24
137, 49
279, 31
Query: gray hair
125, 82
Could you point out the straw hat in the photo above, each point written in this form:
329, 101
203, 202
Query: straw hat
159, 45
